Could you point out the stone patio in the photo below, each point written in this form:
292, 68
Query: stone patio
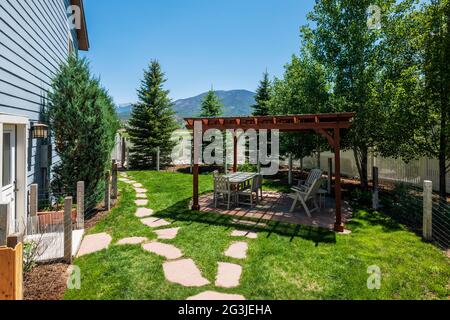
275, 207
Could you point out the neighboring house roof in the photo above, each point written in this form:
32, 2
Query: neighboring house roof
82, 34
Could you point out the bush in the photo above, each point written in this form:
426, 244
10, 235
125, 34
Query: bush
83, 125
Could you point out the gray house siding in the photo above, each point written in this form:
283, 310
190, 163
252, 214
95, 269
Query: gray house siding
34, 41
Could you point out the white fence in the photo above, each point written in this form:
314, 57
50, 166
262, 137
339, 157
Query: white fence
393, 170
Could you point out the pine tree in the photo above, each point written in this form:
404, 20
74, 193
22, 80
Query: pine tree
262, 98
211, 105
83, 124
152, 122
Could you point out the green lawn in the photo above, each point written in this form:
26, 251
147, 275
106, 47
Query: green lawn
285, 262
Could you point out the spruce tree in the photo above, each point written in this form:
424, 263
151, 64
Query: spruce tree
211, 105
83, 125
262, 98
152, 121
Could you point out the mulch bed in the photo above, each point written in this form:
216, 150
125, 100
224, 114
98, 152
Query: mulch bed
45, 282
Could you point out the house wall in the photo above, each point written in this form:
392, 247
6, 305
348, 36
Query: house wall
34, 41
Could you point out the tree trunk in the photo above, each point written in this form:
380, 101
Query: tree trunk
443, 160
362, 161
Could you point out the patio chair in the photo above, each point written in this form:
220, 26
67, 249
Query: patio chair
250, 192
306, 196
315, 174
222, 187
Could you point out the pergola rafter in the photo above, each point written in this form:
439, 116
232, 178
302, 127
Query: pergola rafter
327, 125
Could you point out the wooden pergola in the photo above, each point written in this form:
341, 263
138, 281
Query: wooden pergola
327, 125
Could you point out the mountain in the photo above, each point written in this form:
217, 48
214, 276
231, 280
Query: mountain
236, 103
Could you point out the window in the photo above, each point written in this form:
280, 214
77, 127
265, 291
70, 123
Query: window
7, 159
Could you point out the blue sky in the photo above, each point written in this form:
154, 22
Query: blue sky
199, 43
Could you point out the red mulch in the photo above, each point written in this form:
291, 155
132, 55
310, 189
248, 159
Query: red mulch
45, 282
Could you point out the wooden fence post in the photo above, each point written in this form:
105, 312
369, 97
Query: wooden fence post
124, 152
330, 175
158, 154
375, 192
80, 205
33, 200
11, 273
68, 201
290, 178
108, 192
115, 170
4, 209
428, 210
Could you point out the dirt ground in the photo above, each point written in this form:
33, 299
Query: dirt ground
45, 282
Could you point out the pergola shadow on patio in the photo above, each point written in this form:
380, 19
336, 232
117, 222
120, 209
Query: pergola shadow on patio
276, 206
327, 125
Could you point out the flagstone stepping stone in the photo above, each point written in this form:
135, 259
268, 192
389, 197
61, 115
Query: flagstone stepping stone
124, 180
237, 250
250, 223
93, 243
141, 196
132, 240
167, 234
229, 275
141, 202
155, 222
185, 273
139, 190
167, 251
143, 212
138, 185
214, 296
247, 234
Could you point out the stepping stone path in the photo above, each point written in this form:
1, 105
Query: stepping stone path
132, 241
141, 202
167, 234
155, 222
141, 196
138, 185
139, 190
143, 212
167, 251
247, 234
185, 273
237, 250
216, 296
229, 275
94, 243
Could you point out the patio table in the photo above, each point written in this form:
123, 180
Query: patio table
238, 178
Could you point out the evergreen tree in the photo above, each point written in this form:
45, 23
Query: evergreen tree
262, 98
83, 124
152, 122
211, 105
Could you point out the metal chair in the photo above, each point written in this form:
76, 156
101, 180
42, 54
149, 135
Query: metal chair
222, 187
250, 192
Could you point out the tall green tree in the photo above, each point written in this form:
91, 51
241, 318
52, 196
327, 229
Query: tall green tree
211, 105
347, 46
152, 121
262, 97
83, 125
304, 89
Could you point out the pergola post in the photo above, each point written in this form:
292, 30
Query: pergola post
235, 155
339, 226
197, 139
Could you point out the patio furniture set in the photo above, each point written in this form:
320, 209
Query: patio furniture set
235, 188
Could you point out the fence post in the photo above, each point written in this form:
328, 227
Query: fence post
108, 192
80, 205
427, 210
375, 192
4, 209
291, 178
11, 271
68, 201
115, 169
158, 154
330, 175
124, 153
33, 200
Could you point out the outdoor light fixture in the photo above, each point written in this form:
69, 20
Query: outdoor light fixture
39, 131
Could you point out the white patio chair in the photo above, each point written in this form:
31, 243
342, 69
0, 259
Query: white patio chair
315, 174
253, 190
222, 187
306, 196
